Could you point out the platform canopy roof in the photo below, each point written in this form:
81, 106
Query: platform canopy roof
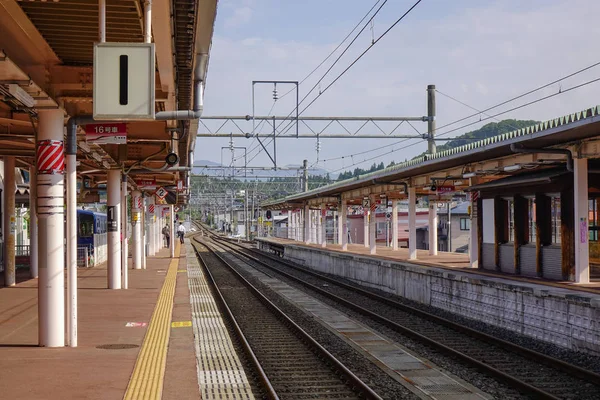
47, 50
482, 161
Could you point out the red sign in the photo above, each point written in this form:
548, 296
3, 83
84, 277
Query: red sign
107, 133
446, 189
146, 183
50, 157
323, 212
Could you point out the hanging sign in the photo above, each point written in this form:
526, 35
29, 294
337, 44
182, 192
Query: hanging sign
108, 133
147, 184
111, 220
161, 192
446, 189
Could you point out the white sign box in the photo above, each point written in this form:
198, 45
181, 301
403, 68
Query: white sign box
124, 81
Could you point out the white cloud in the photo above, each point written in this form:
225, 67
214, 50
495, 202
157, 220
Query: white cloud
241, 16
480, 55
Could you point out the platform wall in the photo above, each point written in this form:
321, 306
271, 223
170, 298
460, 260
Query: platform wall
566, 318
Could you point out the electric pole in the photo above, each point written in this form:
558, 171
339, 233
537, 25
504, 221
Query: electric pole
431, 148
305, 175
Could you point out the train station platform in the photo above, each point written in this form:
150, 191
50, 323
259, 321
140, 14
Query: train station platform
562, 313
116, 330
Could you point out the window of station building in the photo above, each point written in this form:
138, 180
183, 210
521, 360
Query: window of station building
555, 215
593, 219
465, 224
531, 218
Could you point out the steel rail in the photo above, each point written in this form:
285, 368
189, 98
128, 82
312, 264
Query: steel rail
571, 369
357, 382
262, 376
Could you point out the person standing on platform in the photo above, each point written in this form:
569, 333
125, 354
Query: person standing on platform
167, 235
181, 232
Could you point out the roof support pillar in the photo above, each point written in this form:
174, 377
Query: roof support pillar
136, 223
412, 223
33, 222
50, 203
394, 224
113, 234
343, 224
373, 227
366, 227
10, 221
433, 233
582, 248
323, 225
306, 224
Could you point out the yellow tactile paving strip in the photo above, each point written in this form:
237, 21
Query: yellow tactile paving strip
220, 372
148, 374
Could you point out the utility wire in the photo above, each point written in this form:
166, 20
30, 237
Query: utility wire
331, 66
466, 125
351, 65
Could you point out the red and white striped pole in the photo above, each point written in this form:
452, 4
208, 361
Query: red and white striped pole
50, 204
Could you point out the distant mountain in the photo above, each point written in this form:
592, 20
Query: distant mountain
200, 168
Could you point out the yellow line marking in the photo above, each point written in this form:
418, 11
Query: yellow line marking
181, 324
146, 381
182, 270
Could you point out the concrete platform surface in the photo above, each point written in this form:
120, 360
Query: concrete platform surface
117, 318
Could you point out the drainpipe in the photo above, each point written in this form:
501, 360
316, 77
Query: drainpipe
518, 149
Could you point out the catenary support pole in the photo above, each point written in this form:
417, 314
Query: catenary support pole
431, 147
124, 227
71, 155
113, 214
10, 221
51, 224
33, 222
412, 225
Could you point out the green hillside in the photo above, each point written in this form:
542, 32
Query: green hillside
486, 131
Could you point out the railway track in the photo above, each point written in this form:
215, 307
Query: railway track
288, 362
532, 373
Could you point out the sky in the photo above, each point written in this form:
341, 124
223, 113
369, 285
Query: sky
479, 52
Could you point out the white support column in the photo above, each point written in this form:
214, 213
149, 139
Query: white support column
136, 224
289, 224
10, 222
373, 229
50, 204
323, 225
113, 187
71, 206
394, 224
433, 233
412, 223
366, 227
151, 217
125, 246
581, 198
473, 232
344, 223
172, 230
306, 224
33, 222
144, 237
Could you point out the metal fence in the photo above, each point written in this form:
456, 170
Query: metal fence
100, 249
84, 256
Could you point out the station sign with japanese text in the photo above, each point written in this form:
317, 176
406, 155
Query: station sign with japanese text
106, 133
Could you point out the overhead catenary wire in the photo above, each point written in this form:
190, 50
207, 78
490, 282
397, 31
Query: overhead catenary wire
373, 43
562, 91
482, 111
331, 66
